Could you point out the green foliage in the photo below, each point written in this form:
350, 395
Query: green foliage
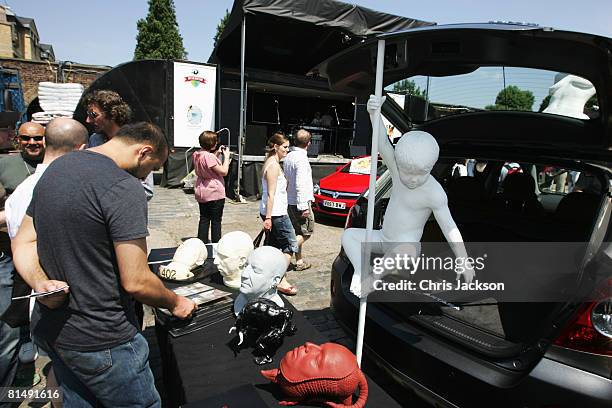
221, 27
158, 35
408, 87
513, 98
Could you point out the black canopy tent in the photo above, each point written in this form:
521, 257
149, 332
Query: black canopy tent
292, 37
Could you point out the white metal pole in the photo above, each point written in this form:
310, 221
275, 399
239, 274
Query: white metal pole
363, 301
242, 114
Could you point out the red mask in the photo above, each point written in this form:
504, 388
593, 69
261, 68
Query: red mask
314, 373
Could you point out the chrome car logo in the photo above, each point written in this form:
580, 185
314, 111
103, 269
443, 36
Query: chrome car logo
335, 194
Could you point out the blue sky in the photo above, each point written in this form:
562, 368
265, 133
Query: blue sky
103, 32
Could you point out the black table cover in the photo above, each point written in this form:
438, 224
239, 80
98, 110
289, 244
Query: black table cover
200, 367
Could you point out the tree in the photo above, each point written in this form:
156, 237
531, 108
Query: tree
408, 87
158, 35
513, 98
221, 27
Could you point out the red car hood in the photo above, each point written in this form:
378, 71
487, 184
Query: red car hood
347, 182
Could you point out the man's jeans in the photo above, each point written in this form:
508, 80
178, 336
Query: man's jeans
9, 337
116, 377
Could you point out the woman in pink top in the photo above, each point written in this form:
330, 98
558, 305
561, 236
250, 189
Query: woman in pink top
210, 187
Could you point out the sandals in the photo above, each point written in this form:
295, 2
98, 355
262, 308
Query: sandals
302, 267
290, 291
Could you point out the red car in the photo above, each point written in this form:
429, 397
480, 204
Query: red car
337, 193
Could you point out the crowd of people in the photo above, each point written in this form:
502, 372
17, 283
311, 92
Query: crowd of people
75, 216
77, 222
287, 194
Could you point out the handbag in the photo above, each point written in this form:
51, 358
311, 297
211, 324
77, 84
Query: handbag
259, 239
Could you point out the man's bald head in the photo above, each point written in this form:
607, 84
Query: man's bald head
302, 138
64, 135
31, 129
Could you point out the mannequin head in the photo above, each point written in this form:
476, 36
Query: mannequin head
415, 155
188, 256
233, 250
327, 371
568, 96
311, 361
265, 269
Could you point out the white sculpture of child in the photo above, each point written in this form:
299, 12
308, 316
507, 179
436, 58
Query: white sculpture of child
568, 96
265, 269
233, 249
414, 196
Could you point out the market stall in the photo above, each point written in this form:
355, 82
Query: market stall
205, 366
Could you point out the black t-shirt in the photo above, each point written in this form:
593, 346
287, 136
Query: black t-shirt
81, 205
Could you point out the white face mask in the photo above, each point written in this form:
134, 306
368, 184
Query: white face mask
188, 256
266, 267
233, 250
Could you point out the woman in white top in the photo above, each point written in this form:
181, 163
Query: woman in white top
273, 206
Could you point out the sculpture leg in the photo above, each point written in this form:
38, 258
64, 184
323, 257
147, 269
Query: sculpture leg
352, 240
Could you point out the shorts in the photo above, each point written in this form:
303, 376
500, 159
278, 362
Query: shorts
302, 225
282, 235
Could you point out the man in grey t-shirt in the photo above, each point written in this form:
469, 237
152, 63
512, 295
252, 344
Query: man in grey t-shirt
87, 224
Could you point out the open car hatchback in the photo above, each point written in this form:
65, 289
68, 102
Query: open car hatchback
520, 169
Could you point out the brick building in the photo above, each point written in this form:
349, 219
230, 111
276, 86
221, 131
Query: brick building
33, 72
19, 38
21, 50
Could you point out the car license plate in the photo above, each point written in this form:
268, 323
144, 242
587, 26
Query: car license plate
334, 204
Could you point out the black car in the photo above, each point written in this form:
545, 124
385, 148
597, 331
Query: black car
514, 173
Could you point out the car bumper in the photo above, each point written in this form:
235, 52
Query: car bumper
447, 376
320, 208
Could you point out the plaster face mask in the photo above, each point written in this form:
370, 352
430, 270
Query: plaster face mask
327, 373
233, 250
188, 256
568, 96
266, 267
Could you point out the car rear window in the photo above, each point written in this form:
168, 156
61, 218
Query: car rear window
496, 89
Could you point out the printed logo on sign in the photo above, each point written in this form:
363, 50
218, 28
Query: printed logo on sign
195, 79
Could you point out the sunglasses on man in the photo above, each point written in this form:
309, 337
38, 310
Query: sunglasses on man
92, 114
25, 138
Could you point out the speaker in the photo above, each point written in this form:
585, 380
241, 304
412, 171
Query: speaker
255, 140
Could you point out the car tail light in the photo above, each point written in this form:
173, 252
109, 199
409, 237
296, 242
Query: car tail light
590, 329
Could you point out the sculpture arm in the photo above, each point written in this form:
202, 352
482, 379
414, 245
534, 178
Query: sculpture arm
385, 148
452, 234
